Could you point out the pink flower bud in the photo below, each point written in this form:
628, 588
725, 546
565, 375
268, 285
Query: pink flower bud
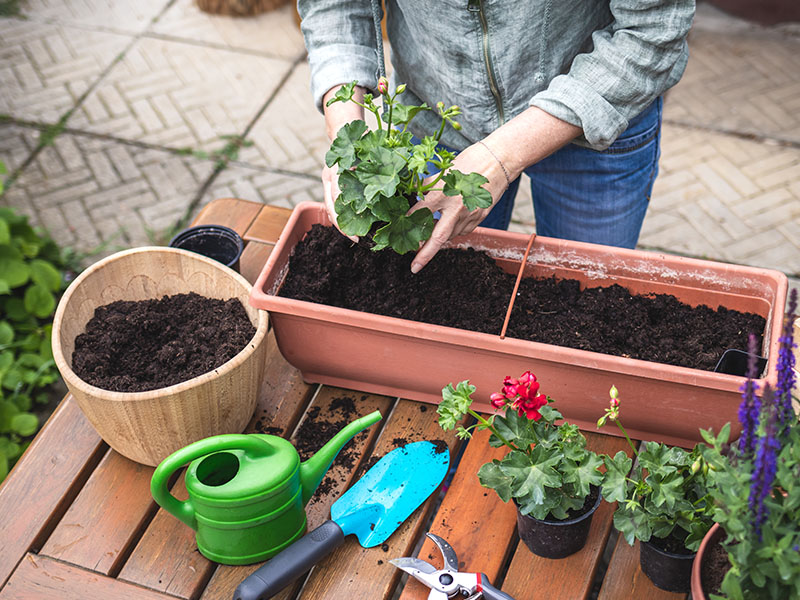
527, 377
383, 85
614, 402
498, 400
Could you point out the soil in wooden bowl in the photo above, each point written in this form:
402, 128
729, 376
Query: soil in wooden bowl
467, 290
135, 346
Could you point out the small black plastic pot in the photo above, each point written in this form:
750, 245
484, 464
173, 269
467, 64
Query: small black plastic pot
556, 539
214, 241
668, 571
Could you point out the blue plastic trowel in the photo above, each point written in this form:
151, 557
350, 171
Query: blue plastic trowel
372, 509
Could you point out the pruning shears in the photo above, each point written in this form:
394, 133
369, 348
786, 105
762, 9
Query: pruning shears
448, 582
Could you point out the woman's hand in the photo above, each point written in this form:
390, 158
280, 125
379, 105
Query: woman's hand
455, 218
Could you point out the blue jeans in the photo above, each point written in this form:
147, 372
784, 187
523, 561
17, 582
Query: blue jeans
589, 196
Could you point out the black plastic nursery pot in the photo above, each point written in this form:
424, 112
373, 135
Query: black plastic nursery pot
667, 570
214, 241
556, 539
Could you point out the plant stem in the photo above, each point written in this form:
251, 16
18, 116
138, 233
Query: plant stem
491, 428
625, 433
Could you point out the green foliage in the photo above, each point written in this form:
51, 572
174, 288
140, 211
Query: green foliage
31, 278
548, 470
766, 568
381, 173
666, 493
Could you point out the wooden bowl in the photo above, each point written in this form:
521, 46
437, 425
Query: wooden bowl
149, 426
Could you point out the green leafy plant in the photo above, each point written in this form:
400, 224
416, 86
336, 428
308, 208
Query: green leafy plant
548, 470
757, 484
665, 495
382, 173
31, 277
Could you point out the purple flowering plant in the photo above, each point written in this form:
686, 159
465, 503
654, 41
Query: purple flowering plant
757, 483
382, 172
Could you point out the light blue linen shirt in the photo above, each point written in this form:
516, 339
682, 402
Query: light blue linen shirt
593, 63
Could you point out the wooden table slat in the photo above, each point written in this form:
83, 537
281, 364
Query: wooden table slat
63, 455
469, 512
534, 577
106, 518
337, 480
231, 212
355, 572
253, 259
40, 577
624, 577
267, 227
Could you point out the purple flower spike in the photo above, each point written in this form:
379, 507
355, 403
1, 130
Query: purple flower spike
750, 407
765, 465
786, 376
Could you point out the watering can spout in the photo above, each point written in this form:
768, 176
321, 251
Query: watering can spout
313, 470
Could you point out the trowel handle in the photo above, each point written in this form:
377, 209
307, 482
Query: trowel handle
160, 481
290, 563
490, 592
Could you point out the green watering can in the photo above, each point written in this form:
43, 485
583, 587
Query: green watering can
247, 493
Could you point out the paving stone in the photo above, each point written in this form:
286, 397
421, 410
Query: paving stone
180, 95
16, 144
87, 192
746, 83
730, 200
45, 68
290, 134
131, 17
259, 185
274, 32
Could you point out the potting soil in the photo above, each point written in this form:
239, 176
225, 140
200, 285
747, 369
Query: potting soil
135, 346
466, 289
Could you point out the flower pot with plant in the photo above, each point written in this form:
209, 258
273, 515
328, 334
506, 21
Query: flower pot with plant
382, 173
664, 502
757, 492
552, 477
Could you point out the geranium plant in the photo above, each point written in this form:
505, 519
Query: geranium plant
548, 470
757, 491
382, 173
665, 496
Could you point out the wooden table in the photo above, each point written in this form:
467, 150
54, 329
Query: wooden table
77, 520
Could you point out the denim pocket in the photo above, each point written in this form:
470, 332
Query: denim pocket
642, 130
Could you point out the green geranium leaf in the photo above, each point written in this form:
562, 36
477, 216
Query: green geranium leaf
380, 174
531, 474
6, 333
39, 301
5, 232
352, 192
468, 186
633, 525
491, 476
8, 410
615, 484
24, 424
5, 289
406, 233
455, 403
343, 94
666, 490
389, 209
15, 309
422, 153
585, 474
13, 270
349, 221
403, 113
45, 274
342, 150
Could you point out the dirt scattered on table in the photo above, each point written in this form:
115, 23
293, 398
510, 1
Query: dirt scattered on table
135, 346
468, 290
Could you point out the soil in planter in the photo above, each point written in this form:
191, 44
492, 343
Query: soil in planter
466, 289
672, 543
714, 567
135, 346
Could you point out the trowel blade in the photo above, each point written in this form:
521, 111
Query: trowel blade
390, 491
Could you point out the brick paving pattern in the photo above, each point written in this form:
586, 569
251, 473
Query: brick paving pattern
147, 91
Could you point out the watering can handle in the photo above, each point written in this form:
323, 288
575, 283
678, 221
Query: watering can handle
184, 510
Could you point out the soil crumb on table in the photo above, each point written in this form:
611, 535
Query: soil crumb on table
135, 346
466, 289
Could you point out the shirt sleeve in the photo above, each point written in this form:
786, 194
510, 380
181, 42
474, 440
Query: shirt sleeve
340, 40
640, 55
